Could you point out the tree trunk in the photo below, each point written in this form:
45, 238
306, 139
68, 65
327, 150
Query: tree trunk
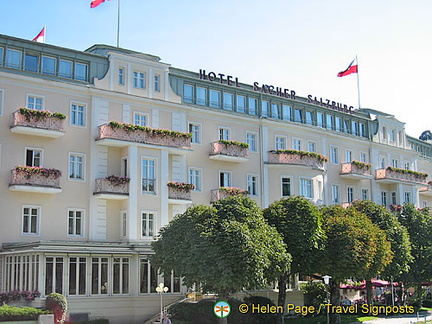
282, 286
369, 297
334, 300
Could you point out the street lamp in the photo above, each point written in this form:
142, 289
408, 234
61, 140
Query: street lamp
326, 279
160, 290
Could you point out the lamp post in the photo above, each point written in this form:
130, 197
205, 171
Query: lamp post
160, 290
326, 279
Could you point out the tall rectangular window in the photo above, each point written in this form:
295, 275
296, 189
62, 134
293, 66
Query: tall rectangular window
148, 277
148, 176
224, 179
140, 119
77, 276
241, 104
224, 133
81, 71
407, 197
120, 276
75, 222
99, 276
215, 99
13, 59
31, 62
264, 108
252, 185
306, 188
138, 80
335, 194
33, 157
338, 124
365, 194
76, 166
147, 224
354, 128
309, 118
54, 273
362, 130
78, 114
188, 93
251, 139
346, 126
280, 143
35, 102
298, 115
362, 157
1, 56
252, 106
393, 198
384, 198
228, 101
65, 69
49, 65
121, 76
297, 144
275, 111
201, 96
123, 223
286, 112
286, 187
195, 130
311, 146
320, 119
30, 220
195, 178
348, 156
334, 155
157, 83
329, 122
350, 194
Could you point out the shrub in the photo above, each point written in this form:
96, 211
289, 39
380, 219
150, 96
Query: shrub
17, 295
57, 304
10, 313
314, 293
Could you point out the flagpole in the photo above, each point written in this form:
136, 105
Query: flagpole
358, 83
118, 23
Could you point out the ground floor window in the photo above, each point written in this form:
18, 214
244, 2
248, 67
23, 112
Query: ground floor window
149, 279
21, 272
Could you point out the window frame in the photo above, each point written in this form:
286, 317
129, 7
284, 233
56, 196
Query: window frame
150, 228
195, 139
154, 179
35, 97
199, 183
74, 220
252, 181
252, 147
303, 180
74, 121
141, 114
290, 185
83, 163
138, 79
30, 221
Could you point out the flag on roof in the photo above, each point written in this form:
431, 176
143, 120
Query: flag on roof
40, 38
96, 3
350, 69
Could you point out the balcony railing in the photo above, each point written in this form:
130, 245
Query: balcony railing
218, 194
34, 182
49, 126
228, 152
312, 160
401, 175
147, 136
355, 170
104, 186
179, 194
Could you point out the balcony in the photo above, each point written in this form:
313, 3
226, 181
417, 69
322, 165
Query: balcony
229, 151
356, 170
225, 192
120, 135
179, 192
300, 158
392, 175
35, 180
112, 188
38, 123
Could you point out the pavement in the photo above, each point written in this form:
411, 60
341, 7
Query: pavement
405, 319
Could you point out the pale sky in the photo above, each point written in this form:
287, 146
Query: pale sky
296, 44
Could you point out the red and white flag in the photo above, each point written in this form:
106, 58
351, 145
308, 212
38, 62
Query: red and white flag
40, 38
96, 3
350, 69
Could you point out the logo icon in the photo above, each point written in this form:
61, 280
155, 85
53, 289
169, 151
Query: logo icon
222, 309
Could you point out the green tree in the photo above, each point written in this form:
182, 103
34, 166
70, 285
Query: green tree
299, 223
226, 247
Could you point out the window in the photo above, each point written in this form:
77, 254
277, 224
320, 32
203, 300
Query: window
99, 276
148, 277
338, 124
121, 76
365, 194
123, 223
251, 139
309, 118
334, 155
392, 135
140, 119
215, 98
355, 129
407, 197
224, 133
393, 198
13, 59
348, 156
400, 137
252, 185
298, 115
264, 108
188, 93
33, 157
320, 119
78, 114
21, 272
286, 112
384, 133
1, 101
157, 83
383, 198
224, 179
77, 276
49, 65
76, 166
148, 176
120, 271
306, 188
362, 157
241, 104
330, 122
195, 130
346, 126
286, 187
382, 163
31, 62
297, 144
81, 71
362, 130
138, 80
1, 56
147, 224
335, 194
65, 69
75, 222
35, 102
350, 194
280, 143
228, 101
201, 96
394, 163
195, 178
406, 165
30, 220
54, 267
252, 105
311, 146
275, 111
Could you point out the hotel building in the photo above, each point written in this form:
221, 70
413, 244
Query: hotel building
68, 226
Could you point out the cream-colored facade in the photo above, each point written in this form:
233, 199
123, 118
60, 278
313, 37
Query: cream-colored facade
86, 237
